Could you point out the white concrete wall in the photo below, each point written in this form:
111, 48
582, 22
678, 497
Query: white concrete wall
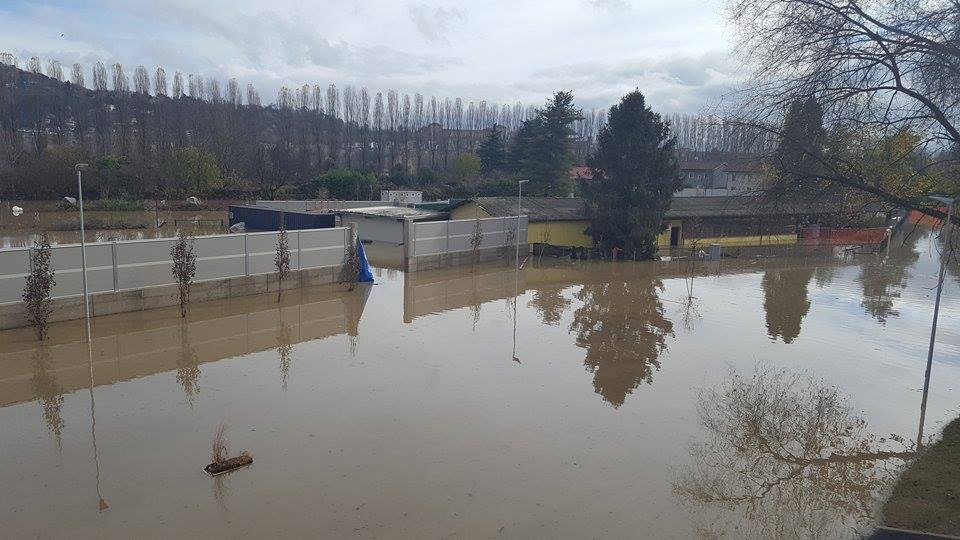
377, 229
136, 264
442, 237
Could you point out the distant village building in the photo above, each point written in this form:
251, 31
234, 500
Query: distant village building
720, 178
402, 197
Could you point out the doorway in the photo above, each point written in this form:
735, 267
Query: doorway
675, 236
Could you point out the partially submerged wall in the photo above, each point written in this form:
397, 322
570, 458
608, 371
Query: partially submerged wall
135, 275
437, 244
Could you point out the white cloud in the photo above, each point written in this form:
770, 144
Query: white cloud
502, 51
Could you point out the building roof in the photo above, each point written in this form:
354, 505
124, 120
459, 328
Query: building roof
742, 206
536, 208
581, 173
732, 165
395, 212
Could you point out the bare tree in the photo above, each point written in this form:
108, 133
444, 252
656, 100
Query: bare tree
40, 281
141, 80
253, 97
54, 70
76, 75
233, 92
99, 77
282, 258
33, 65
160, 82
184, 267
177, 84
881, 66
213, 91
119, 79
8, 59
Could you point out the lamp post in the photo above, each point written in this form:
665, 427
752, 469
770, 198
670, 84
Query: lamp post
83, 244
947, 229
519, 211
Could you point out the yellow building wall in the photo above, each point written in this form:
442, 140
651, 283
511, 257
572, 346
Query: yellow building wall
469, 210
560, 233
555, 233
735, 241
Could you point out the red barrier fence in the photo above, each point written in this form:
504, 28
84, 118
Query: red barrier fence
819, 236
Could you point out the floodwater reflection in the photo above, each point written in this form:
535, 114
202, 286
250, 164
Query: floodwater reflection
786, 452
884, 277
624, 330
785, 301
48, 392
402, 416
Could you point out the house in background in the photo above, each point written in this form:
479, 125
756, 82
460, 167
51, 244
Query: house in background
720, 178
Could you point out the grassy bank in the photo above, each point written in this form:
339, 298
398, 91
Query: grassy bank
927, 496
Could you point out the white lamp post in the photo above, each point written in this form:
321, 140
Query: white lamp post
83, 244
947, 229
519, 211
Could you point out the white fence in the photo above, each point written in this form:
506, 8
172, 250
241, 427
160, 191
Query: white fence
135, 264
443, 237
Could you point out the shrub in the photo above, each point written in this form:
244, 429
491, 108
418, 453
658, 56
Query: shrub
40, 281
184, 267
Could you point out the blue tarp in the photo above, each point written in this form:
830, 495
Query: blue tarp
365, 275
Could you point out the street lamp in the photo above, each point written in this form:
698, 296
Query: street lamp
947, 229
83, 244
519, 211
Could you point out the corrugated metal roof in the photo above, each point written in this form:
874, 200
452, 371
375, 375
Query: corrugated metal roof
742, 206
537, 208
395, 212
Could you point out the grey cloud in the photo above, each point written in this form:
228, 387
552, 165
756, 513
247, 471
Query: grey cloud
435, 23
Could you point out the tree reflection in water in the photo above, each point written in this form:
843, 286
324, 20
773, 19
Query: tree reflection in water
882, 278
285, 351
550, 304
49, 392
785, 301
789, 454
188, 365
623, 328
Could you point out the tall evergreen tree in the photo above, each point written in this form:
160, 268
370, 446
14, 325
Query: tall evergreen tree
796, 169
635, 174
493, 151
544, 146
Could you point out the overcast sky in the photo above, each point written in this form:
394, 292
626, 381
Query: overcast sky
675, 51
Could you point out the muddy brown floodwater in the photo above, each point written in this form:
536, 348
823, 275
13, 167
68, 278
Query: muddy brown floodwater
759, 398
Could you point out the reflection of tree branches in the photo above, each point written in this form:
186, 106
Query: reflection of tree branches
284, 350
188, 366
623, 328
787, 452
49, 392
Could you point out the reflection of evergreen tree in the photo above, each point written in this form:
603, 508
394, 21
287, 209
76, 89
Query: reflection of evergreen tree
49, 392
550, 304
785, 301
623, 328
188, 366
883, 279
